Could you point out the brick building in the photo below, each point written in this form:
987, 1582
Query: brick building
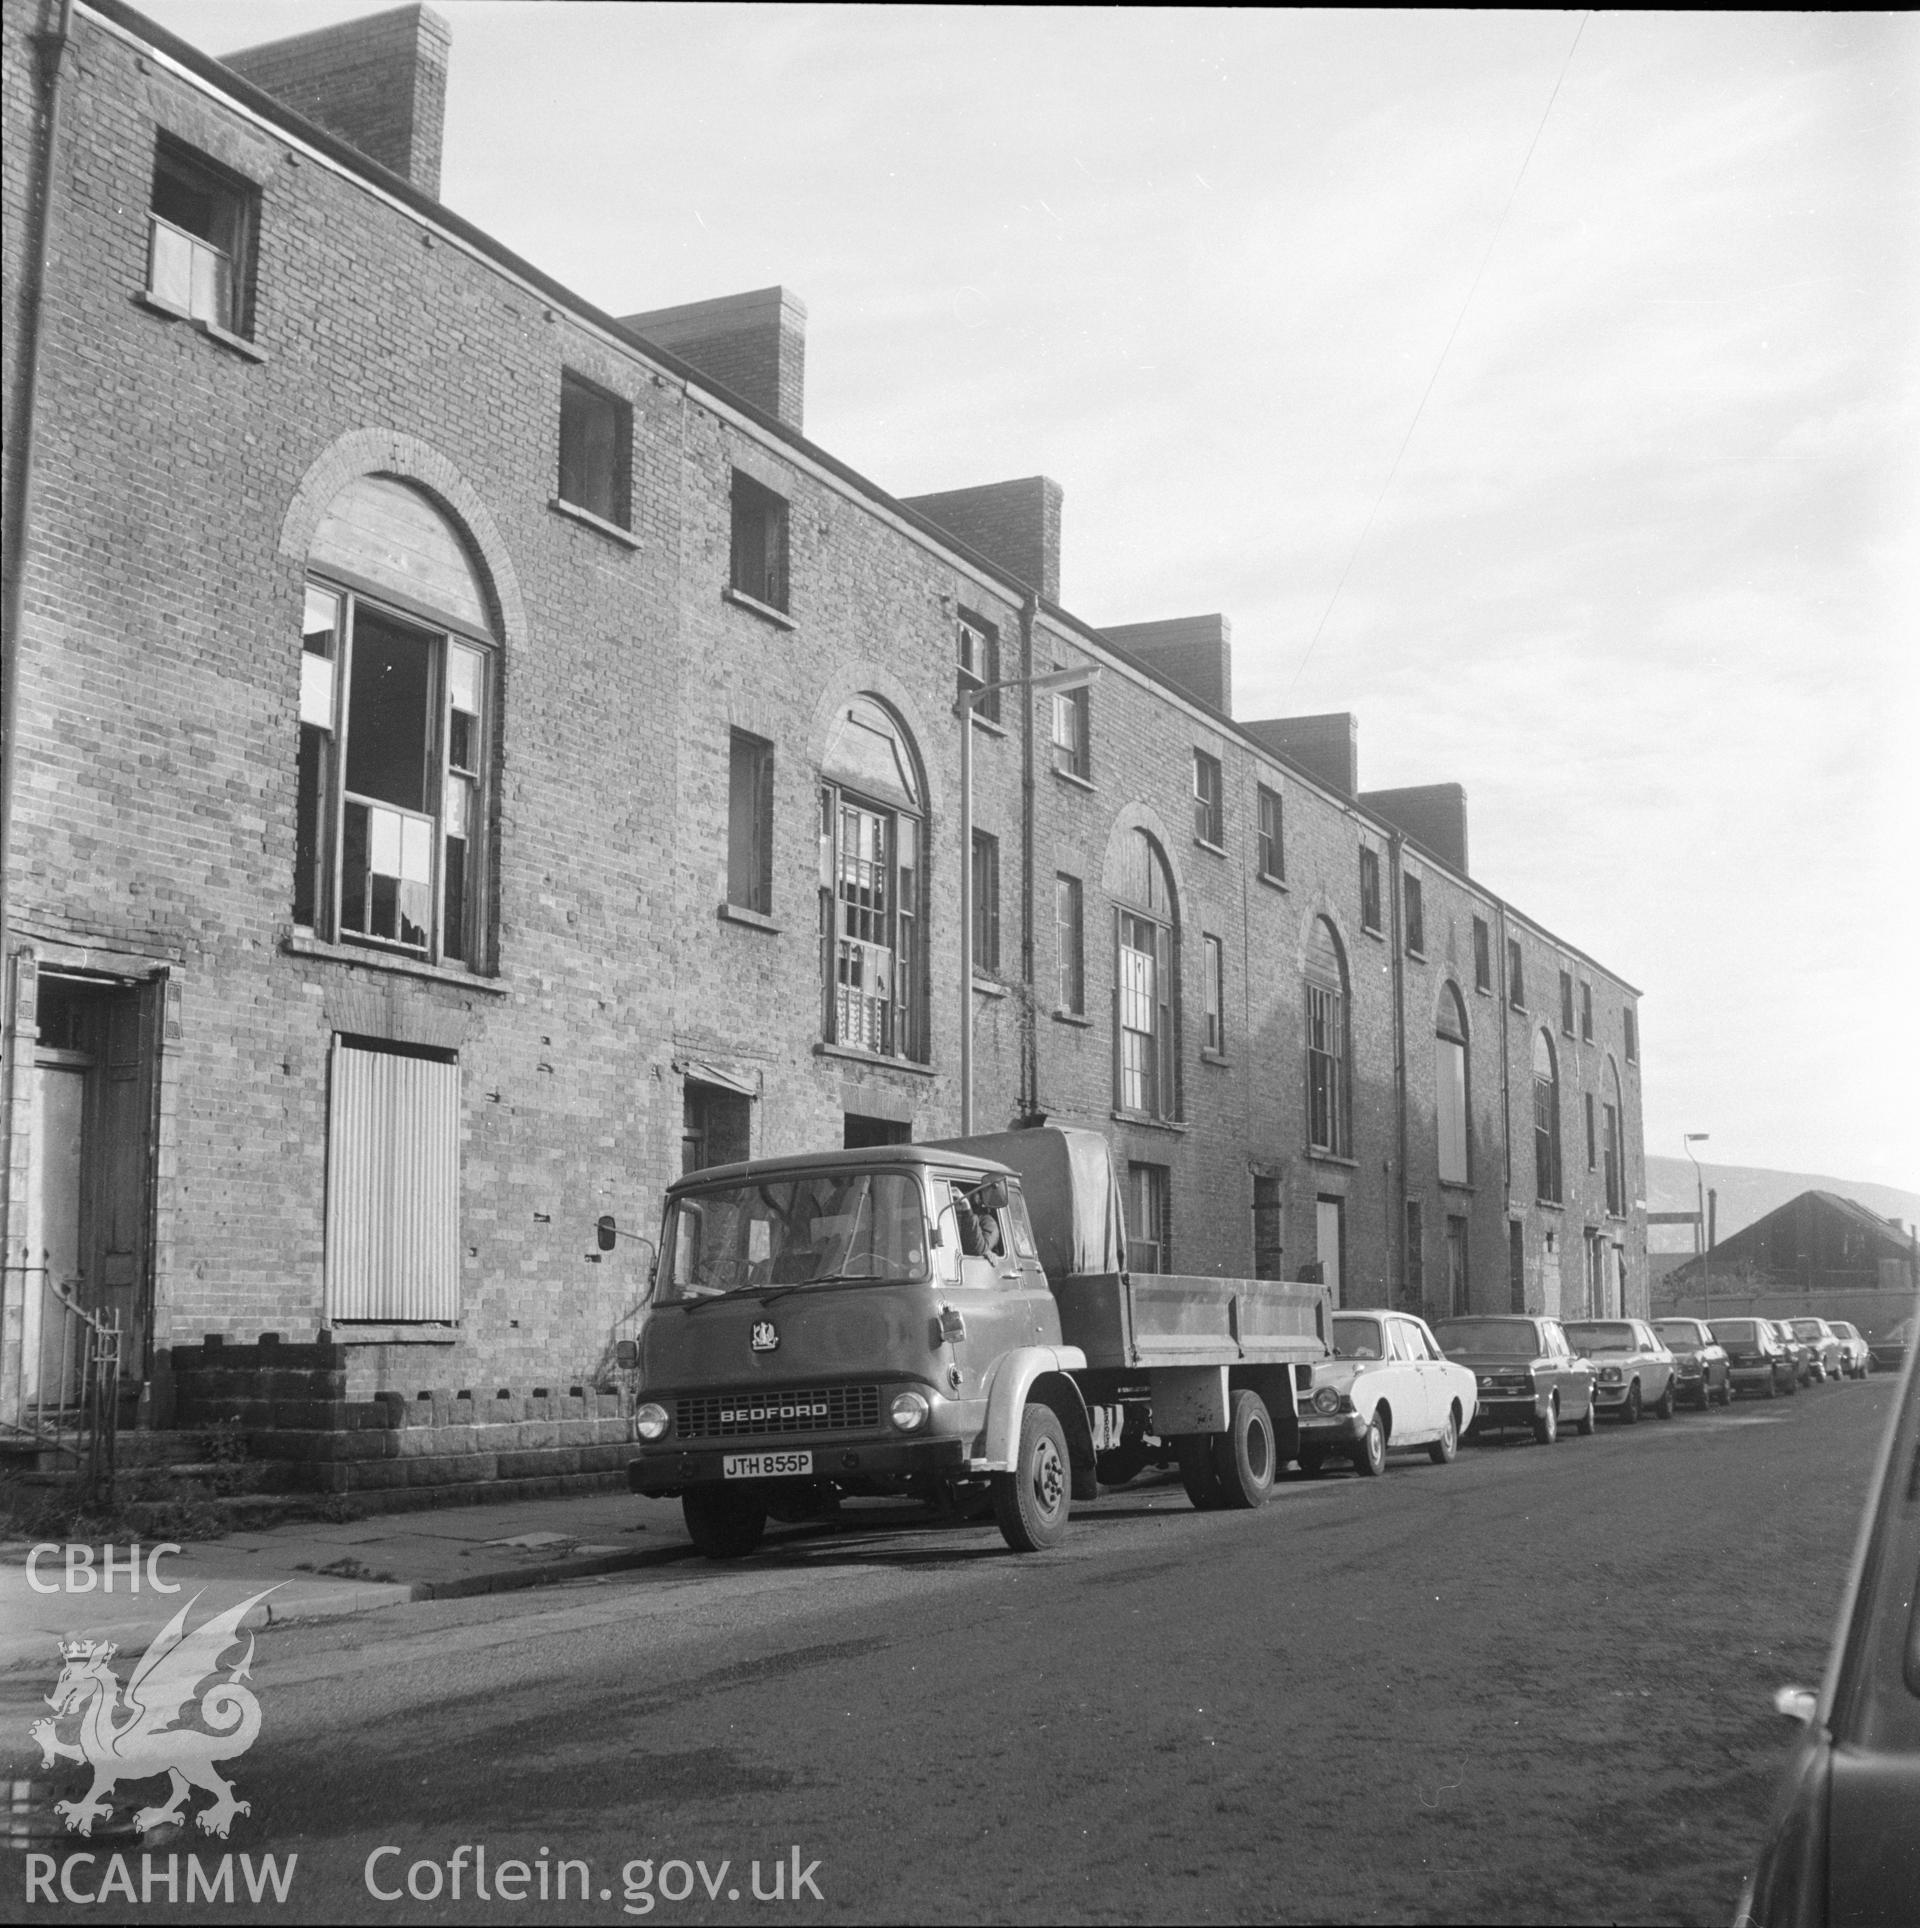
471, 756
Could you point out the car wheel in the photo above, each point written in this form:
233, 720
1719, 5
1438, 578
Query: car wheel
723, 1522
1589, 1421
1664, 1410
1243, 1456
1371, 1460
1630, 1412
1032, 1503
1443, 1449
1198, 1474
1546, 1425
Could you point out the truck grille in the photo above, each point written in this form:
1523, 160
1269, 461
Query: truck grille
839, 1409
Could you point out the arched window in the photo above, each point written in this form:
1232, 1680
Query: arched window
1146, 963
1450, 1087
397, 677
872, 813
1546, 1121
1613, 1151
1329, 1111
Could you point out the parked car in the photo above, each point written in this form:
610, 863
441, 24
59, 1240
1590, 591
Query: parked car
1891, 1348
1856, 1356
1633, 1370
1804, 1363
1699, 1361
1526, 1373
1388, 1386
1824, 1341
1841, 1844
1756, 1360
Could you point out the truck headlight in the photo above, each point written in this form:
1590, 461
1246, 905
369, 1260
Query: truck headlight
909, 1411
1326, 1400
650, 1422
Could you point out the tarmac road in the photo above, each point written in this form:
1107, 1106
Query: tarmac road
1532, 1686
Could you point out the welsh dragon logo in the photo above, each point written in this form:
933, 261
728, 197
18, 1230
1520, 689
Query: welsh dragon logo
141, 1737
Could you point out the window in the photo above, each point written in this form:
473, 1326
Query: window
393, 1185
716, 1126
1457, 1289
872, 885
1072, 745
1516, 976
986, 904
1326, 1001
1273, 849
1586, 1010
750, 823
1612, 1150
759, 543
395, 727
199, 256
978, 644
1267, 1259
1416, 917
1593, 1139
1149, 1227
1482, 956
1450, 1088
1212, 970
1566, 1003
1516, 1266
1546, 1121
1369, 889
1070, 990
1209, 807
1145, 936
1416, 1251
1630, 1032
596, 435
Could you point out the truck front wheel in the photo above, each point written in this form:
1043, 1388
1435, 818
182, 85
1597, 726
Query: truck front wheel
1243, 1456
1033, 1501
724, 1522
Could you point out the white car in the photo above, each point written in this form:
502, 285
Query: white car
1387, 1387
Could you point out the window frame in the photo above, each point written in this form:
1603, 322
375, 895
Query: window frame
1070, 936
984, 942
1413, 909
1586, 1011
1370, 917
1549, 1177
1150, 1185
1328, 1057
1073, 750
194, 172
1148, 930
617, 414
1566, 1004
750, 779
1450, 1045
323, 849
1271, 859
758, 566
1213, 985
977, 655
1516, 976
1482, 957
1630, 1033
1209, 801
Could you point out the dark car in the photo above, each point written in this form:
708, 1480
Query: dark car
1699, 1362
1806, 1361
1891, 1348
1525, 1372
1843, 1840
1756, 1360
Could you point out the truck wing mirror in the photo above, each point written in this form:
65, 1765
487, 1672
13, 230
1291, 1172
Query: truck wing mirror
626, 1354
606, 1233
990, 1195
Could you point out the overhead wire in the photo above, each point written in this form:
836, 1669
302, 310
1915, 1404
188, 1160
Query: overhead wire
1420, 407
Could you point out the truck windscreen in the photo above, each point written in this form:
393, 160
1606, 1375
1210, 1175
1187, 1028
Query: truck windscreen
811, 1230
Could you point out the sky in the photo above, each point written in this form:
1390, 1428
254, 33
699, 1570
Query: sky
1538, 386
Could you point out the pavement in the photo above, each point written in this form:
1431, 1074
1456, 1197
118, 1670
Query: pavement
319, 1570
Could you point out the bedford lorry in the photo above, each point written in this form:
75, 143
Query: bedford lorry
955, 1323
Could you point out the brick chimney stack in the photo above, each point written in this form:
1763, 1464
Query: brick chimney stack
1013, 524
379, 83
754, 344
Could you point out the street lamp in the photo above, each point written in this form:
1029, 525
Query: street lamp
1688, 1141
964, 706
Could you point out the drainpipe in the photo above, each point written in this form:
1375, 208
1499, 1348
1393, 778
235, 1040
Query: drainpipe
50, 47
1029, 1020
1396, 936
1506, 1096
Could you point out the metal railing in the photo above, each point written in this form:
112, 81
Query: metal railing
60, 1374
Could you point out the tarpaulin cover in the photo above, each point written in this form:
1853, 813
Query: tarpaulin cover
1072, 1195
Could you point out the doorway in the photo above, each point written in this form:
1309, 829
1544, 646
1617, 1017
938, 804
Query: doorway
89, 1214
1329, 1227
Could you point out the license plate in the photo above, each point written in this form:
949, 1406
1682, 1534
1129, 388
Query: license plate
765, 1465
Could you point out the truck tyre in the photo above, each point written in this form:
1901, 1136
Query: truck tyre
1033, 1501
1198, 1474
1243, 1456
723, 1522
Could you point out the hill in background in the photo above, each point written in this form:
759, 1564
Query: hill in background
1749, 1192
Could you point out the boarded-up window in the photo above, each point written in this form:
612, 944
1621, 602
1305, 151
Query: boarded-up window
393, 1186
1450, 1088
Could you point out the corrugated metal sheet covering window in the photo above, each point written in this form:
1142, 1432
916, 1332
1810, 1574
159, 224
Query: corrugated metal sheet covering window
393, 1187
